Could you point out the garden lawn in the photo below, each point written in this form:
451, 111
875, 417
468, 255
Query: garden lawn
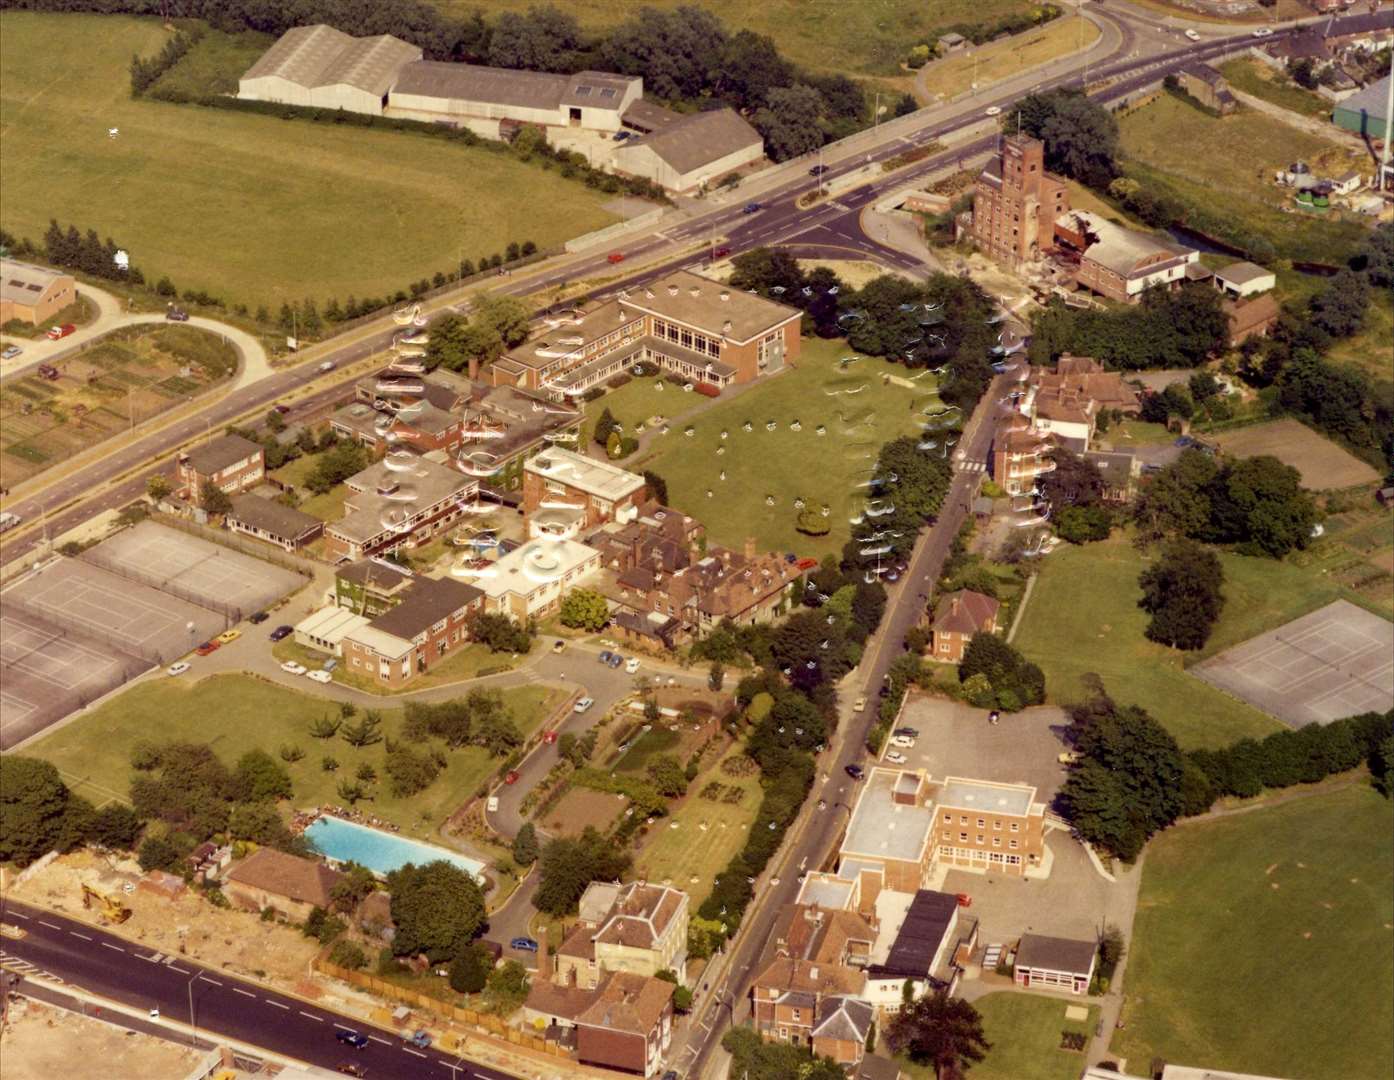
251, 208
1254, 77
657, 740
1083, 617
689, 851
1024, 1030
871, 37
635, 403
821, 469
1223, 167
1262, 940
237, 713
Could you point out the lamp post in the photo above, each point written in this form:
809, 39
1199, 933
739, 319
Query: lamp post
193, 1020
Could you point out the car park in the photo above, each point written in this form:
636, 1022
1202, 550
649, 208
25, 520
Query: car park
208, 647
583, 705
319, 676
631, 665
355, 1039
229, 636
854, 771
905, 742
282, 632
178, 668
604, 656
523, 944
290, 667
896, 758
11, 351
907, 732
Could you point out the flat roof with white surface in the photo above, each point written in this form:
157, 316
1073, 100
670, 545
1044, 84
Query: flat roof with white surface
882, 827
960, 794
598, 478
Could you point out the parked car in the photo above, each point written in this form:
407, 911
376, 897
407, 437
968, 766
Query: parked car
559, 645
1069, 757
348, 1068
320, 676
895, 757
330, 664
615, 660
631, 665
1192, 35
258, 618
56, 332
48, 371
1263, 31
11, 351
817, 170
355, 1039
328, 365
856, 772
523, 944
620, 136
583, 705
994, 110
859, 705
615, 257
511, 778
290, 667
175, 314
750, 208
208, 647
282, 632
905, 742
229, 636
179, 668
721, 252
907, 732
8, 521
605, 655
492, 805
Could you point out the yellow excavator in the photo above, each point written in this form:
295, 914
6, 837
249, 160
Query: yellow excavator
111, 907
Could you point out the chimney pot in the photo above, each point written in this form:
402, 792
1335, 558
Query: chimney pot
694, 291
672, 290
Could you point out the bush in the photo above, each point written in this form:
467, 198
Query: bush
348, 954
707, 389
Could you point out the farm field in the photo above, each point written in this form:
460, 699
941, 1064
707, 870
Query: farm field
1256, 78
1224, 167
710, 830
1025, 1032
253, 209
856, 406
237, 713
1005, 59
126, 378
870, 37
1258, 937
1083, 617
1323, 464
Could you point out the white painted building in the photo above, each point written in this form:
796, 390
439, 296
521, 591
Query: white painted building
321, 67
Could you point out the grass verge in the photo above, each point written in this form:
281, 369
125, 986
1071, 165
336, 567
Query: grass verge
1025, 1032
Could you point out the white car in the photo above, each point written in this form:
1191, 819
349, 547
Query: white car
319, 676
290, 667
994, 110
1192, 35
1263, 31
631, 665
903, 741
895, 757
583, 705
179, 668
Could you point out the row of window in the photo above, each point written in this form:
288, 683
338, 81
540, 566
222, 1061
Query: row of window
686, 337
971, 855
982, 822
996, 840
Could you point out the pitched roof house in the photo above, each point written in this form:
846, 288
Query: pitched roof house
293, 886
626, 1022
957, 617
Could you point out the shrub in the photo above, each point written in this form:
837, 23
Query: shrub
348, 954
707, 389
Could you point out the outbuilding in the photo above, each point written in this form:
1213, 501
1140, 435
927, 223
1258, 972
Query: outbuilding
1053, 963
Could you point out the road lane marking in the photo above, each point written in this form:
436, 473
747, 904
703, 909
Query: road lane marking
277, 1004
51, 926
311, 1016
206, 979
76, 934
343, 1027
109, 945
17, 915
409, 1050
244, 993
383, 1041
175, 967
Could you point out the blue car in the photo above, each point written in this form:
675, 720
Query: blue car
523, 944
605, 655
354, 1039
750, 208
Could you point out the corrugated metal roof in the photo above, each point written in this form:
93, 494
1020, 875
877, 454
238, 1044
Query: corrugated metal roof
320, 55
697, 140
488, 85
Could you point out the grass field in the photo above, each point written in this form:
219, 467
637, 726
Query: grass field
1024, 1030
1262, 939
1224, 167
1083, 617
131, 375
1256, 78
786, 464
1371, 349
1005, 59
869, 37
251, 208
691, 851
237, 713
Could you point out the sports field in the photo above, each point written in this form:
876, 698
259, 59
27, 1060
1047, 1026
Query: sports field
237, 713
854, 405
869, 37
250, 208
1261, 942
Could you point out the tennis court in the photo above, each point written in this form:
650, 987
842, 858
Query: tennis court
47, 671
194, 569
1336, 662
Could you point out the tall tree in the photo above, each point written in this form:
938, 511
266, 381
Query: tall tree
437, 908
543, 39
943, 1032
38, 813
1080, 136
569, 864
1182, 593
791, 121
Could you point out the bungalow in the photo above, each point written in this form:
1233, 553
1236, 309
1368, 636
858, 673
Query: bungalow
289, 885
1054, 963
283, 526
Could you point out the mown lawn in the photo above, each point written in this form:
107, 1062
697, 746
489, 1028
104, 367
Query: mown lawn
640, 401
1083, 618
868, 37
692, 851
1024, 1030
1261, 942
1224, 167
251, 208
237, 713
859, 411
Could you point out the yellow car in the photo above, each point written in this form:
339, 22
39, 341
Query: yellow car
228, 636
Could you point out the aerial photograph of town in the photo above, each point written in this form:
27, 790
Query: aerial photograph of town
697, 539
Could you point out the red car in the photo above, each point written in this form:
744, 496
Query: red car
964, 900
56, 332
208, 647
511, 778
614, 257
721, 252
550, 737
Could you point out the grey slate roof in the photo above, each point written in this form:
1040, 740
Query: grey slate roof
1054, 954
272, 517
220, 453
427, 602
843, 1018
473, 82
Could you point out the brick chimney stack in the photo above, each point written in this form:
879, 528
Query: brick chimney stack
953, 606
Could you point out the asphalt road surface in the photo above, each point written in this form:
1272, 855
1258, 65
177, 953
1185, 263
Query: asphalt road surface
134, 975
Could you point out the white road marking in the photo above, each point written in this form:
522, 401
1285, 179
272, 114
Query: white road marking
206, 979
409, 1050
277, 1004
17, 915
384, 1042
51, 926
109, 945
311, 1016
176, 967
343, 1027
244, 993
76, 934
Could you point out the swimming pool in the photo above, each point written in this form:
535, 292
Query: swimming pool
381, 852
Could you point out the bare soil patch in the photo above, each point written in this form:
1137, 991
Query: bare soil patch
1324, 465
42, 1042
580, 807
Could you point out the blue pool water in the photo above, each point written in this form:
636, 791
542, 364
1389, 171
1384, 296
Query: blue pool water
381, 852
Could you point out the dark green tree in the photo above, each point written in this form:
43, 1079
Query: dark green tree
258, 777
942, 1032
38, 813
569, 864
437, 909
525, 846
1182, 593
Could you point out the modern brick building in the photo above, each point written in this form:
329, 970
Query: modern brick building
230, 463
1016, 202
690, 326
957, 617
1051, 963
371, 586
982, 825
406, 640
565, 492
33, 294
389, 508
